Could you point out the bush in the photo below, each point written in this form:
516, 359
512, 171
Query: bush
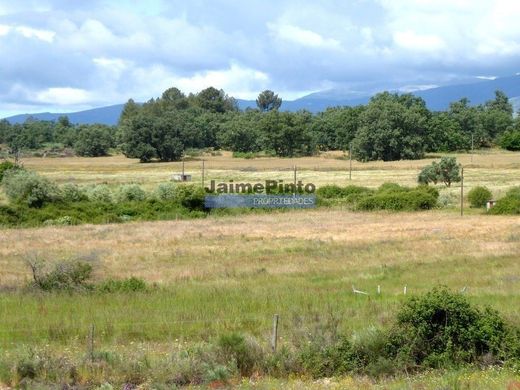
478, 196
132, 284
234, 347
29, 188
131, 192
64, 276
100, 193
72, 193
396, 198
510, 140
442, 329
7, 166
166, 191
509, 204
190, 196
513, 193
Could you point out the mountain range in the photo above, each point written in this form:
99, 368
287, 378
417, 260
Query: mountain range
436, 99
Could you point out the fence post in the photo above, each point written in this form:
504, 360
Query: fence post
461, 191
350, 161
91, 342
274, 339
203, 174
294, 180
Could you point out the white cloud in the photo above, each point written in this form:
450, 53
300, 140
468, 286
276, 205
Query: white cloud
237, 80
411, 40
29, 32
303, 37
62, 96
4, 29
419, 87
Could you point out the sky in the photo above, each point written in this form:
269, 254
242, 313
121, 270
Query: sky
70, 55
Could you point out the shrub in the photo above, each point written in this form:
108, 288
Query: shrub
131, 192
29, 188
510, 140
7, 166
509, 204
478, 196
72, 193
442, 329
131, 284
234, 347
190, 196
348, 194
399, 199
165, 191
64, 276
100, 193
513, 193
506, 206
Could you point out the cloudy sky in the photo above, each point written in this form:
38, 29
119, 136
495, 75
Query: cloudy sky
67, 55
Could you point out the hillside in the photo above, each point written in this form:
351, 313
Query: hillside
436, 98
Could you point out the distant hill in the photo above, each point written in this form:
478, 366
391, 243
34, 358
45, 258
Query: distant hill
436, 98
108, 115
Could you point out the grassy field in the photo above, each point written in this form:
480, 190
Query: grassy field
233, 273
496, 169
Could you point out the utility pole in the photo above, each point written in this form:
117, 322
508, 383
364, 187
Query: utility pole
461, 191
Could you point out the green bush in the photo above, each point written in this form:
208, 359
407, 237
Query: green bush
131, 192
510, 140
131, 284
234, 347
391, 188
72, 193
513, 193
166, 191
190, 196
509, 204
29, 188
6, 166
506, 206
64, 276
442, 329
100, 193
399, 199
478, 196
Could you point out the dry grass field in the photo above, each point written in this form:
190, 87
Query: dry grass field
496, 169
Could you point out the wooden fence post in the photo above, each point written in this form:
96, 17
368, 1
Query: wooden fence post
274, 339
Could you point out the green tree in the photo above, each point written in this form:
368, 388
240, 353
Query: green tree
241, 133
335, 128
469, 120
392, 127
214, 100
446, 171
268, 101
287, 134
130, 110
445, 134
93, 141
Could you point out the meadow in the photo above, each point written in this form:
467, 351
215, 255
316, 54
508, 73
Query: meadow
230, 273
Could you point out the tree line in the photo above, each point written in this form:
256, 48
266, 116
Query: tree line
390, 127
